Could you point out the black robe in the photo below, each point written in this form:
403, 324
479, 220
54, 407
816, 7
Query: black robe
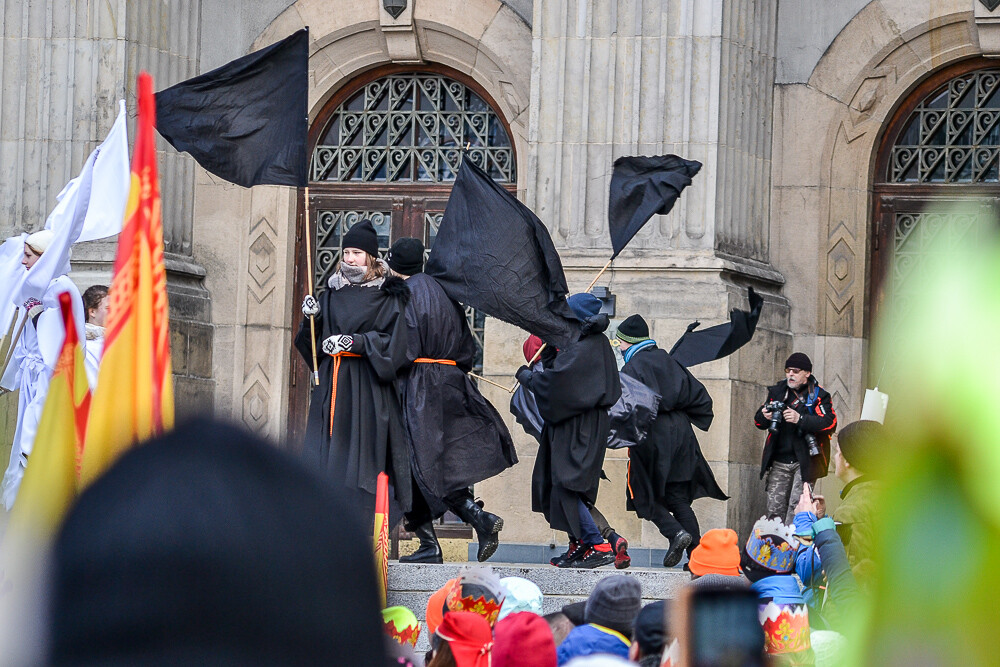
457, 437
574, 390
670, 454
368, 435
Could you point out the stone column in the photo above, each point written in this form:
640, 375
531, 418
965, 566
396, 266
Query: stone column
693, 77
65, 66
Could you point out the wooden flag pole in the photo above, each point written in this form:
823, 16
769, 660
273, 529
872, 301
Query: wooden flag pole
480, 377
309, 278
13, 344
589, 287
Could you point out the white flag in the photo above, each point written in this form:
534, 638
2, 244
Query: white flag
11, 272
109, 192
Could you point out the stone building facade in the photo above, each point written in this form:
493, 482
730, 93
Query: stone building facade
795, 108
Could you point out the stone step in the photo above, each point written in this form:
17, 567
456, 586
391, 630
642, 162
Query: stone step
514, 552
411, 584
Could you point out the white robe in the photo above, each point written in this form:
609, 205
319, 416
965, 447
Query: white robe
30, 371
93, 350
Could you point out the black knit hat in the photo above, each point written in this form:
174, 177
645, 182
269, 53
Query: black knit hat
211, 546
633, 329
858, 442
406, 256
363, 237
800, 361
650, 627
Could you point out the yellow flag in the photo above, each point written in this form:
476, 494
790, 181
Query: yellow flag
134, 399
50, 480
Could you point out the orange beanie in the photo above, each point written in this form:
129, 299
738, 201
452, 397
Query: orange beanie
717, 553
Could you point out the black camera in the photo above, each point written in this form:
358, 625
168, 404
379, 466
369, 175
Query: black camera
776, 408
813, 444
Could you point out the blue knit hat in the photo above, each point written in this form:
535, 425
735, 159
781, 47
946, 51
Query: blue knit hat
584, 305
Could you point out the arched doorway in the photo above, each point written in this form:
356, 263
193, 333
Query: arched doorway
940, 148
387, 148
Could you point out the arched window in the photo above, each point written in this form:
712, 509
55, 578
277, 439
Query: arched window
938, 160
387, 148
939, 156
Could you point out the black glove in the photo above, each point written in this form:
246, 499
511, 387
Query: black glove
523, 374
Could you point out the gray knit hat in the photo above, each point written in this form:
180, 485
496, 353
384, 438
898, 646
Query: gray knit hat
614, 603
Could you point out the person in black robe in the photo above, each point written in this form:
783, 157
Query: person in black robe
575, 388
457, 438
667, 472
355, 426
524, 407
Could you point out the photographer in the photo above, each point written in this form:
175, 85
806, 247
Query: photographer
799, 417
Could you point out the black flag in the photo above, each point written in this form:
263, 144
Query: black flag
245, 121
697, 347
494, 254
641, 187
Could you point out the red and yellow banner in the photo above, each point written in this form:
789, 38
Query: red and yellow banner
50, 482
134, 398
381, 533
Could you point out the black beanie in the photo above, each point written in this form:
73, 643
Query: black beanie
800, 361
858, 442
211, 546
363, 237
633, 329
406, 256
650, 628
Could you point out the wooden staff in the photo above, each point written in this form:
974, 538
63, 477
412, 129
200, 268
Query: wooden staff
309, 277
480, 377
13, 343
539, 352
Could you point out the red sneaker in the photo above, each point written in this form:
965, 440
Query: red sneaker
620, 546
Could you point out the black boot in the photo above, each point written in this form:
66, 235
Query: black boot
429, 550
485, 524
678, 543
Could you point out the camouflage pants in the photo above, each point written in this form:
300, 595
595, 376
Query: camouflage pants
784, 486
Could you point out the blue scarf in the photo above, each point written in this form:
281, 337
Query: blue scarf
629, 353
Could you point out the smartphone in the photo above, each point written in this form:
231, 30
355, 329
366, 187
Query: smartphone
720, 628
812, 491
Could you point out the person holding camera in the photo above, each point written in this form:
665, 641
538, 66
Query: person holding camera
799, 418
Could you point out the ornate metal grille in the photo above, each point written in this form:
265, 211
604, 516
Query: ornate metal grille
953, 136
330, 229
412, 128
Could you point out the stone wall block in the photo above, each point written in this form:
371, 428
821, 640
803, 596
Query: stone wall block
747, 499
796, 242
192, 397
199, 350
179, 330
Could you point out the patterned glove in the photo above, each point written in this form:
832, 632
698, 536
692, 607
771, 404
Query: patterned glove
310, 306
33, 306
337, 343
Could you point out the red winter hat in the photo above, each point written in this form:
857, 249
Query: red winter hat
530, 347
523, 639
469, 637
717, 553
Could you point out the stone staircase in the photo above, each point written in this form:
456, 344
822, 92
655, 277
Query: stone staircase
411, 584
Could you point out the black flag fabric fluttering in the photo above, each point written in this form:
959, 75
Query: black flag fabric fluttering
492, 253
642, 187
697, 347
245, 121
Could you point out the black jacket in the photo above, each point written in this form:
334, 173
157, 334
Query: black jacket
457, 437
670, 455
574, 390
820, 420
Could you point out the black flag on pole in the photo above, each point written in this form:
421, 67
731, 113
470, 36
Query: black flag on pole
245, 121
642, 187
492, 253
697, 347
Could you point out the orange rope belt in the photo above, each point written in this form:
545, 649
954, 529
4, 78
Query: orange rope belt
425, 360
333, 389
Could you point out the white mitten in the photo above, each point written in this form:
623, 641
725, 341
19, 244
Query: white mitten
33, 307
310, 306
337, 343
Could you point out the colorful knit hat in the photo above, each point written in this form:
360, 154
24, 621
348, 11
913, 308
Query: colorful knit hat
400, 624
772, 545
478, 590
717, 553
